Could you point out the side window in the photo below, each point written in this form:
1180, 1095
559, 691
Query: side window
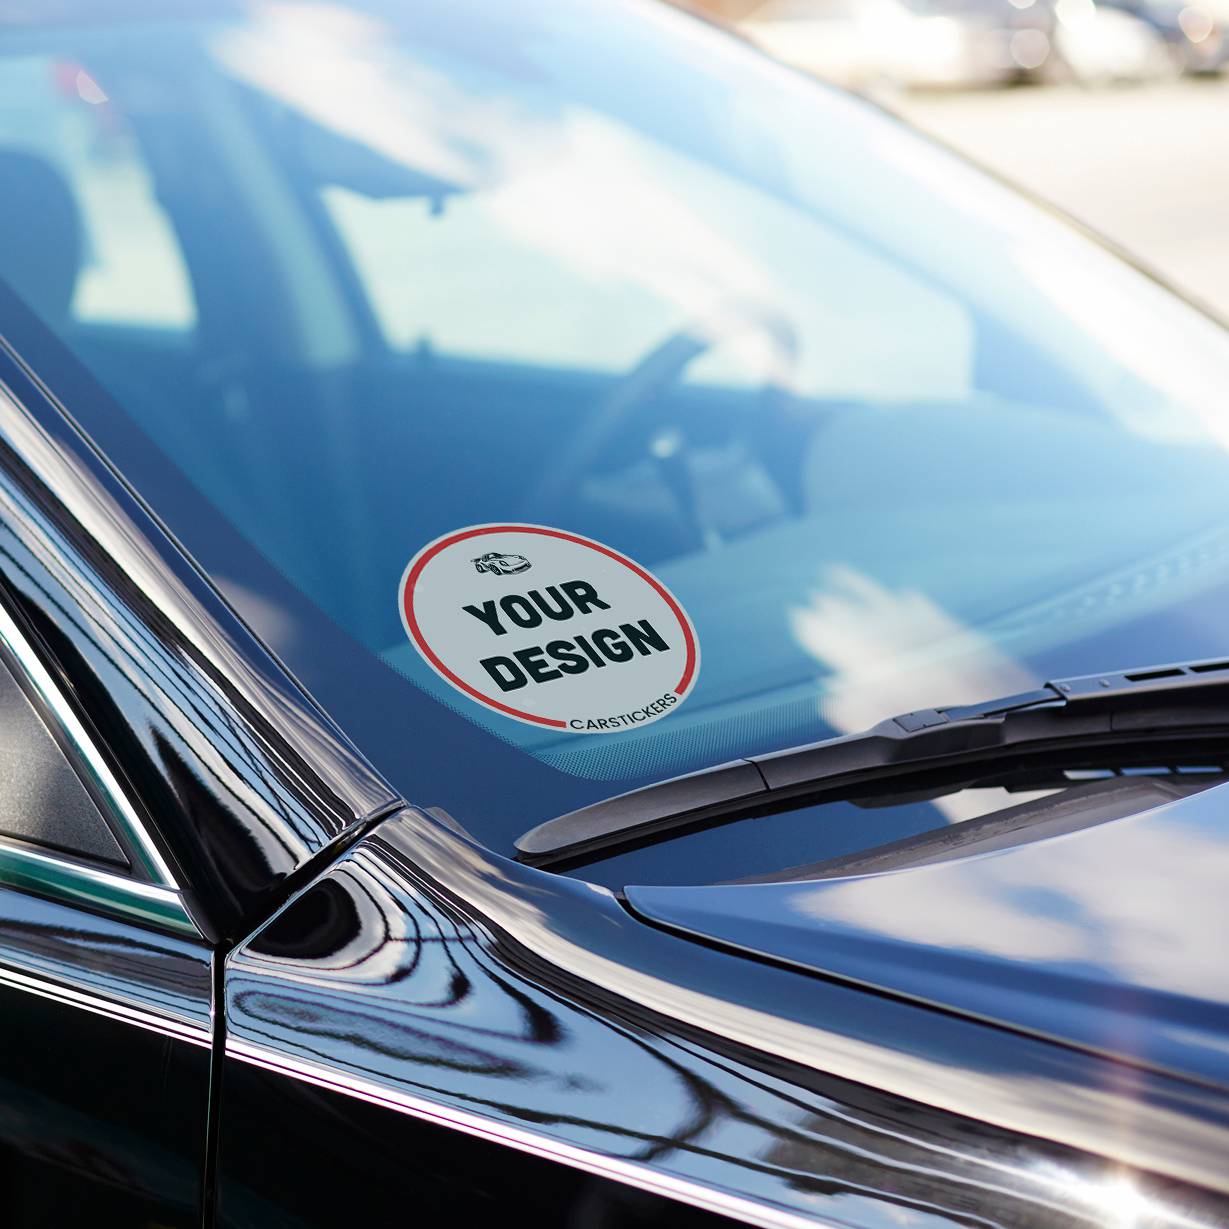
42, 800
99, 249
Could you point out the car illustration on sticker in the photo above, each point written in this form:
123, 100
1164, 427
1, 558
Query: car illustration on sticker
501, 565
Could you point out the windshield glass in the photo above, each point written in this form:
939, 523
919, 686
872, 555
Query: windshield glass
355, 277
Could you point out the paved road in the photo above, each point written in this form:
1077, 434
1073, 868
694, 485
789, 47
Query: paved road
1148, 167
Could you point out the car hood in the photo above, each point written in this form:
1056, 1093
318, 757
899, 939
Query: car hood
1111, 938
424, 972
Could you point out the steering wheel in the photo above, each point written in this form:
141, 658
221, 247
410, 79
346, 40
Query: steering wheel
657, 371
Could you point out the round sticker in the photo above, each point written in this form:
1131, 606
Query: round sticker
549, 627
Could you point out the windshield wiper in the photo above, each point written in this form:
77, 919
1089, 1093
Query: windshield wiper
1157, 703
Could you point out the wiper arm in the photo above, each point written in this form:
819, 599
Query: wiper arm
1131, 706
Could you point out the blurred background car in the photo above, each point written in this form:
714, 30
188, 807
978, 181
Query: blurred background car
877, 44
1195, 33
1097, 44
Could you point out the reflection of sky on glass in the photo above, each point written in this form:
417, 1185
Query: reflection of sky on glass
1139, 900
132, 272
616, 240
879, 648
931, 555
1144, 331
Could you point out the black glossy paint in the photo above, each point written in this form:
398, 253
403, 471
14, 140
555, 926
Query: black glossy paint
104, 1070
384, 1168
538, 1005
1075, 938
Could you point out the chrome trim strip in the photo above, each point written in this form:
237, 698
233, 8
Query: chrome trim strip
149, 891
78, 883
51, 695
630, 1173
168, 1026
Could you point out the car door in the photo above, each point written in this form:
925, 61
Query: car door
104, 983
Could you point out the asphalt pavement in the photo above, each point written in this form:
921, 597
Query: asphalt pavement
1146, 166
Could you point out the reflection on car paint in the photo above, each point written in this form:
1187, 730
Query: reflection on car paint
104, 1072
250, 750
375, 976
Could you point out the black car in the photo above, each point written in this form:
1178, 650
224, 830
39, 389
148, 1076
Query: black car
344, 884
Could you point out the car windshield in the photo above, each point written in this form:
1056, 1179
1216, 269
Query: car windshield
328, 281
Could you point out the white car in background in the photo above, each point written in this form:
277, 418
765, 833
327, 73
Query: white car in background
1099, 45
877, 45
871, 44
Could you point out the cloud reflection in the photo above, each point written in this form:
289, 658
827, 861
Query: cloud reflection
888, 650
1101, 900
570, 184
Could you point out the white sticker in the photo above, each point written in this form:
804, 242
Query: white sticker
549, 627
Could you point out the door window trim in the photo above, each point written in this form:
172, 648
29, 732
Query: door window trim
48, 873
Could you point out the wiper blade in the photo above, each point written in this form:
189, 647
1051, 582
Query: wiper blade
1126, 707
